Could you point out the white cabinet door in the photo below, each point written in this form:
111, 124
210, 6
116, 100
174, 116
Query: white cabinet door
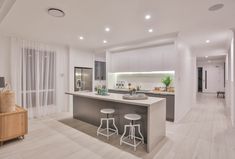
161, 58
119, 63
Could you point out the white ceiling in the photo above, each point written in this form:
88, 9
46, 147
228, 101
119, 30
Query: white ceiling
29, 19
211, 58
219, 41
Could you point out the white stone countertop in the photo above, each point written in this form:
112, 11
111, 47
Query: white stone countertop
113, 97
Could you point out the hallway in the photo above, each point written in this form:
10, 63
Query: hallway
204, 133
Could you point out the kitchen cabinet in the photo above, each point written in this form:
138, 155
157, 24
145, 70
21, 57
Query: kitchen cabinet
170, 105
170, 102
162, 58
100, 70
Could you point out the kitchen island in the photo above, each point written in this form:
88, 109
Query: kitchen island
87, 106
169, 96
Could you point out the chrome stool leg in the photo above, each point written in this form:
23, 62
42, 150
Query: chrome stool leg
107, 128
115, 125
121, 139
142, 138
98, 130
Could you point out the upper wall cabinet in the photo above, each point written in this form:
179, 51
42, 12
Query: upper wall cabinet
162, 58
100, 70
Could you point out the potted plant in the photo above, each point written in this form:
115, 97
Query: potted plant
166, 81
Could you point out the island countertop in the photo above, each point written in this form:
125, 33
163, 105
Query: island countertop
117, 98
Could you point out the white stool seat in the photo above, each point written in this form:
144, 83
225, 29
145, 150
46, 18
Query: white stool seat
132, 117
107, 111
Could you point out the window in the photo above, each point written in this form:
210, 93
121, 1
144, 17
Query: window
38, 77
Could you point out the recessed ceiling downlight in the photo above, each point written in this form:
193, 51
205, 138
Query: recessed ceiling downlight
216, 7
55, 12
107, 29
150, 30
147, 16
81, 37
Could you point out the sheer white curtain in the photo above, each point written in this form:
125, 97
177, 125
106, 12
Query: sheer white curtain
33, 67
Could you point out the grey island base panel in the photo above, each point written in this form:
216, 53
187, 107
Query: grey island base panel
88, 110
152, 122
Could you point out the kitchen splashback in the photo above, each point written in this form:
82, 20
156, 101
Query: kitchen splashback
147, 81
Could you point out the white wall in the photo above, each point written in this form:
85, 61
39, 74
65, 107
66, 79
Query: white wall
230, 85
185, 78
232, 76
227, 85
5, 58
62, 77
78, 58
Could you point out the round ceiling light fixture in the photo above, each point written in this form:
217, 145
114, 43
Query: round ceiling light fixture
216, 7
55, 12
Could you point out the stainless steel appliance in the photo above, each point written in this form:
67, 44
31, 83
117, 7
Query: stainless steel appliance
82, 79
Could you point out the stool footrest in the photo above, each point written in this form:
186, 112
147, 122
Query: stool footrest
130, 144
105, 129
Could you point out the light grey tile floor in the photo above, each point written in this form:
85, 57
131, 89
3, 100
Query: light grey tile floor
204, 133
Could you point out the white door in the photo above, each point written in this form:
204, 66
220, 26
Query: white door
213, 78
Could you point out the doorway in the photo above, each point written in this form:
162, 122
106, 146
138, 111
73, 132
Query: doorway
214, 78
200, 76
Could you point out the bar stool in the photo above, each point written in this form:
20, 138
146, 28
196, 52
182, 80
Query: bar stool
107, 119
132, 127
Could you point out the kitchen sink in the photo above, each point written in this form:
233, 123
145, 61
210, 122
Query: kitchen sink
140, 96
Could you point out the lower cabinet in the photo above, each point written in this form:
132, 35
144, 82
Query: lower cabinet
170, 105
170, 102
